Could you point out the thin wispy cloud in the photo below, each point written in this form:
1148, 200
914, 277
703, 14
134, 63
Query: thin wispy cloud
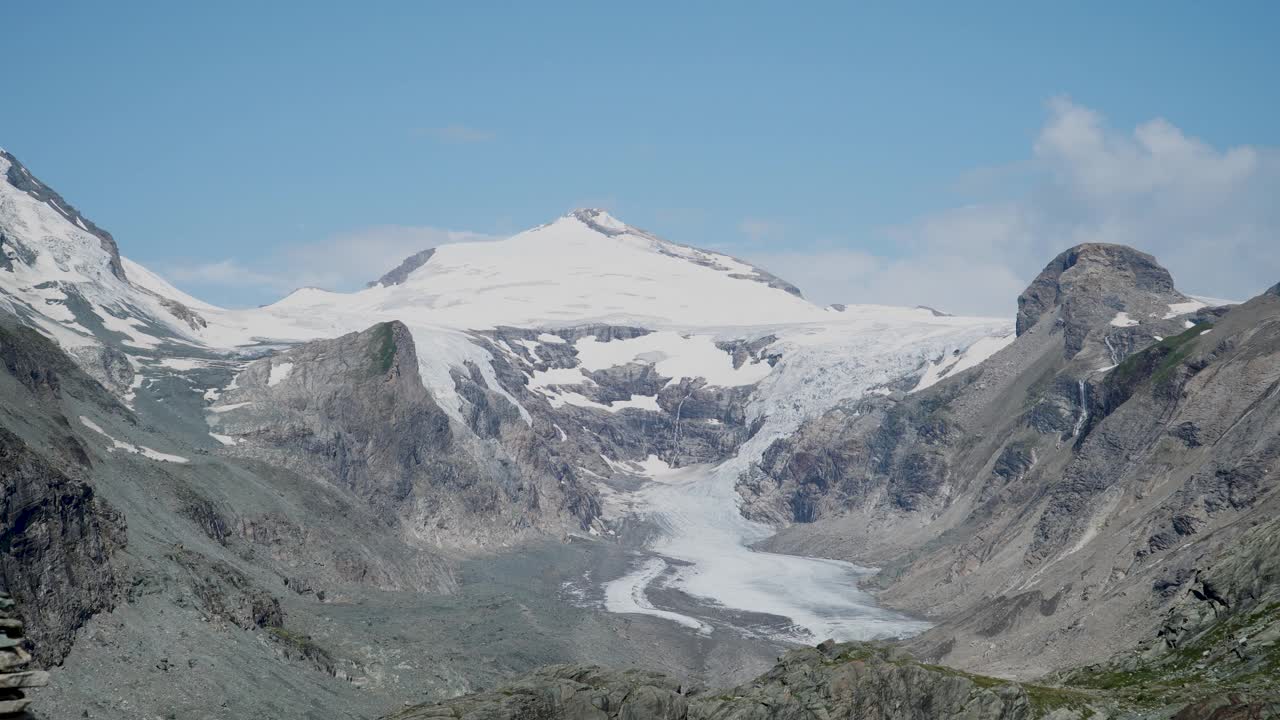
1207, 213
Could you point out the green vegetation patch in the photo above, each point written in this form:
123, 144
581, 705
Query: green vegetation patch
301, 646
1201, 668
1046, 700
1166, 355
383, 347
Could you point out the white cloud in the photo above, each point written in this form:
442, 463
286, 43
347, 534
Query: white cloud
1207, 214
342, 262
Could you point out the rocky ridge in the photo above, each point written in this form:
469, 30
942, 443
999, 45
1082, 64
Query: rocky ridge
833, 680
1049, 505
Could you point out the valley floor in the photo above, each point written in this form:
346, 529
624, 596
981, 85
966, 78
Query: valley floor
513, 613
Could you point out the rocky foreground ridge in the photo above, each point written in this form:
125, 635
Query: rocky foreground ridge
834, 681
849, 680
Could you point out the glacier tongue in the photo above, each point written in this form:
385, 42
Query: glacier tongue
696, 508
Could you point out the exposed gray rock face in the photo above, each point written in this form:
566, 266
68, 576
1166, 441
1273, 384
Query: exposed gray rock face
936, 312
56, 536
354, 410
1088, 284
106, 364
183, 313
1036, 497
832, 681
401, 272
15, 678
689, 421
58, 539
1218, 644
21, 178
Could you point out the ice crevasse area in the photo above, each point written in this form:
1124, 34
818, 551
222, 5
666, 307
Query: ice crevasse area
704, 543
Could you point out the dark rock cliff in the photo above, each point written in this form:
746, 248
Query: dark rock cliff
57, 537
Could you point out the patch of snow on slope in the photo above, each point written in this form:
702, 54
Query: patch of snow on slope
228, 408
129, 447
567, 397
557, 376
1122, 319
959, 360
127, 326
183, 364
279, 373
1182, 308
673, 355
637, 402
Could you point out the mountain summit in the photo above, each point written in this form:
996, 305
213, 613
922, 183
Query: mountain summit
585, 266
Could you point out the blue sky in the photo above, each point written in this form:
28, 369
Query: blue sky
866, 151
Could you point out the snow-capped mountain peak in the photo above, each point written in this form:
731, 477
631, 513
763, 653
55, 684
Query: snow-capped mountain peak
586, 266
64, 275
600, 221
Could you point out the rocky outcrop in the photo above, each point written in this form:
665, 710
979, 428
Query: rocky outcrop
1217, 646
56, 542
568, 691
835, 681
355, 411
1087, 285
15, 675
401, 272
57, 537
689, 420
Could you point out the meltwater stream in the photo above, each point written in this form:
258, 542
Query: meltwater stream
696, 513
